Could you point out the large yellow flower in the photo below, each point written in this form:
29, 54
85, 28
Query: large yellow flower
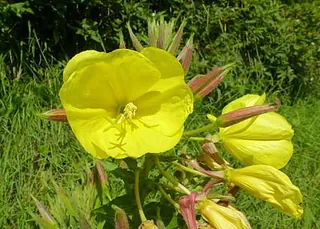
221, 217
265, 139
126, 103
269, 184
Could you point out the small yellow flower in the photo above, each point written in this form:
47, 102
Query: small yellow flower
269, 184
264, 139
126, 103
221, 217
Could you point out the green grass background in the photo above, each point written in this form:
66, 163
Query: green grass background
33, 150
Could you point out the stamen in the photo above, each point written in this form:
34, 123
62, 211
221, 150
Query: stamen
129, 112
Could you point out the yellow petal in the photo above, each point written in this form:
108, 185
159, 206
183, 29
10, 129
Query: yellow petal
271, 185
102, 138
172, 73
222, 217
276, 153
81, 60
122, 75
166, 111
136, 141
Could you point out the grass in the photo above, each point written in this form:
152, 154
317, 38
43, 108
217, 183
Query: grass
32, 151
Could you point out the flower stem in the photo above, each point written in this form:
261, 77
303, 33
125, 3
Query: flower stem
137, 195
161, 189
200, 130
187, 169
169, 177
198, 139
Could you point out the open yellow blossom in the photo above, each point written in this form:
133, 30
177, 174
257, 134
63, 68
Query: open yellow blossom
125, 103
264, 139
269, 184
221, 217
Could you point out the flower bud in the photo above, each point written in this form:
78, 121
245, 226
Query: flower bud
185, 56
100, 182
121, 219
203, 85
269, 184
58, 115
152, 33
46, 216
101, 173
177, 39
136, 43
241, 114
122, 44
221, 217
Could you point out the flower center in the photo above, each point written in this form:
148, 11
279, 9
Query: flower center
129, 112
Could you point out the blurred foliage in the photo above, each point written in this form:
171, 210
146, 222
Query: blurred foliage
274, 43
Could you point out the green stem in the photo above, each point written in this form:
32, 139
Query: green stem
169, 177
161, 189
200, 130
187, 169
171, 187
198, 139
138, 201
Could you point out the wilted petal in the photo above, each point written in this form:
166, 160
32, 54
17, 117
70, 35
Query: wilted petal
222, 217
271, 185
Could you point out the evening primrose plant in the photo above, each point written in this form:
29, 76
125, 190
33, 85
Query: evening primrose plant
129, 109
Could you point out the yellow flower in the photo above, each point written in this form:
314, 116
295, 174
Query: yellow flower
264, 139
126, 103
269, 184
221, 217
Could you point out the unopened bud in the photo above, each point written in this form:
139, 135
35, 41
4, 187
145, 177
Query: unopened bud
203, 85
239, 115
101, 181
43, 212
58, 115
152, 33
90, 177
177, 39
161, 38
185, 56
122, 44
148, 224
120, 218
136, 43
101, 173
